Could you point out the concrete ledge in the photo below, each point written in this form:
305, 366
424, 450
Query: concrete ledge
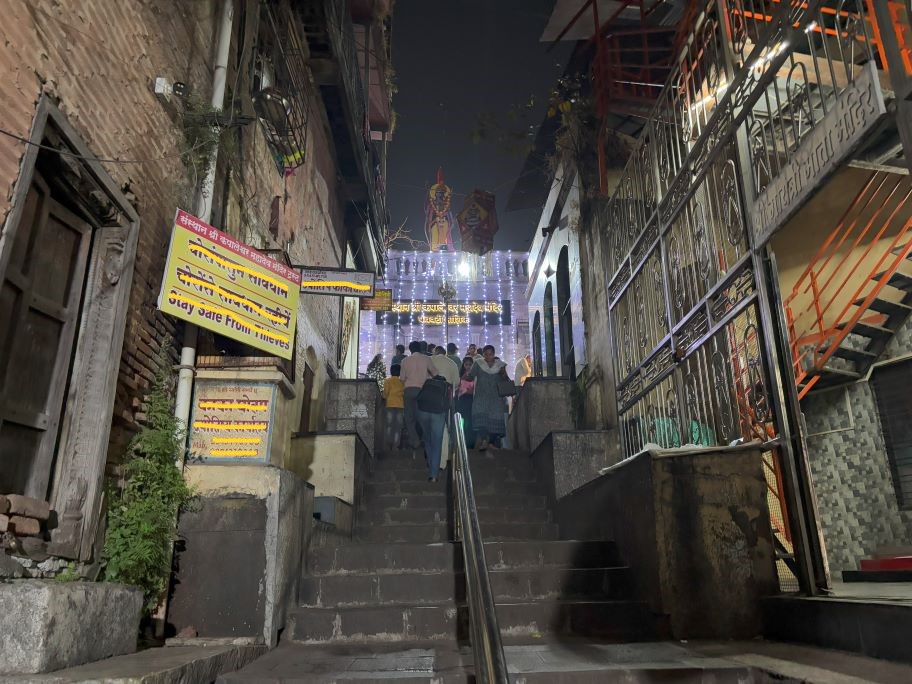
169, 665
46, 625
694, 527
874, 629
567, 460
255, 521
333, 510
542, 406
335, 463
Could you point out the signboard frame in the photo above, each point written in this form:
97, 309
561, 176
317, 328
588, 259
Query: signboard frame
203, 384
338, 286
221, 284
367, 303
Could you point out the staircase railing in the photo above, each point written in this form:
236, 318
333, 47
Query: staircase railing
864, 249
490, 664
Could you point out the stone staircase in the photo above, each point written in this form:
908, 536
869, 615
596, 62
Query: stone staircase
400, 578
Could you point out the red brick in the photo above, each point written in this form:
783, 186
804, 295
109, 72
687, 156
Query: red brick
24, 527
29, 507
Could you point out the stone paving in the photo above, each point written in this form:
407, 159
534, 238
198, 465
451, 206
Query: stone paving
572, 661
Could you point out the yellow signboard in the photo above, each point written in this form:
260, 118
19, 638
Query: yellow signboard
225, 286
231, 420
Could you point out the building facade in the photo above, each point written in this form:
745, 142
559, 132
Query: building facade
743, 254
488, 304
106, 134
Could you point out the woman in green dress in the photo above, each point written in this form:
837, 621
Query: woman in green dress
488, 407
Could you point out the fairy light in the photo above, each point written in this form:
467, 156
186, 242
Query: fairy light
469, 278
392, 319
500, 328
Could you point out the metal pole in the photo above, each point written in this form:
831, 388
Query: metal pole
203, 210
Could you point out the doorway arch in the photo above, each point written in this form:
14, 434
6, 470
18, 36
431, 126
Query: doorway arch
565, 315
536, 345
548, 309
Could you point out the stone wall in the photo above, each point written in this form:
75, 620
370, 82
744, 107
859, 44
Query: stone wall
543, 405
856, 498
356, 406
566, 461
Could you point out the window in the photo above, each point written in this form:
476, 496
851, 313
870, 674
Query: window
894, 405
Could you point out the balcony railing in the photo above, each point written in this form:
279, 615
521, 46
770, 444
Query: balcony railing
331, 39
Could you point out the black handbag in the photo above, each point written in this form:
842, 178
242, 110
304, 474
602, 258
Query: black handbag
506, 387
434, 396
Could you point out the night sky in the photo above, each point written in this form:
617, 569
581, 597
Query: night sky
454, 60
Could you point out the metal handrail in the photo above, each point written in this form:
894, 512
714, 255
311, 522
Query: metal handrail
487, 649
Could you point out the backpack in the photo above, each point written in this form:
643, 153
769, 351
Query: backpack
434, 396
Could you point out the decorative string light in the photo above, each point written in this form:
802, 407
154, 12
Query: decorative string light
489, 280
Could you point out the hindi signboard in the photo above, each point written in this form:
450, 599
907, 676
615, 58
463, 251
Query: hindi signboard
430, 313
223, 285
381, 301
232, 421
336, 281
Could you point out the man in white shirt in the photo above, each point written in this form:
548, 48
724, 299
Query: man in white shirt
523, 370
438, 423
415, 369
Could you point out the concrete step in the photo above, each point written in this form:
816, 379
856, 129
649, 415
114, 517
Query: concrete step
438, 501
419, 474
390, 558
413, 515
438, 532
395, 488
608, 620
430, 588
560, 660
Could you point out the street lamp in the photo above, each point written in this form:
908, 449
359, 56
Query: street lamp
447, 292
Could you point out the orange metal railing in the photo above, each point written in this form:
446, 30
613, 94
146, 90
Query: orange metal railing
850, 269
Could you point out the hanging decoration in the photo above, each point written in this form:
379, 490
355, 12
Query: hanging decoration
478, 222
439, 216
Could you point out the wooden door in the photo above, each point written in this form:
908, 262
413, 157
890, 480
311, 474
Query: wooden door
40, 295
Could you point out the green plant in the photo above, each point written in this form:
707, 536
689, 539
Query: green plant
142, 514
204, 128
69, 574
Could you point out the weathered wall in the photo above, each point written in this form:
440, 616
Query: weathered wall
258, 519
856, 497
356, 406
694, 527
567, 460
334, 463
601, 403
98, 59
543, 405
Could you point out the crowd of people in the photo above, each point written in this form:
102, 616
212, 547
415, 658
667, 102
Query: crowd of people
430, 382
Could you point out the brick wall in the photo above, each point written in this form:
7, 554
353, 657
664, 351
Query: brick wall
98, 59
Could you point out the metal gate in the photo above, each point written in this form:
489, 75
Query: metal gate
696, 338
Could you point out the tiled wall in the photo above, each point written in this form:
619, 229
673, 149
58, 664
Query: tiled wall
856, 498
